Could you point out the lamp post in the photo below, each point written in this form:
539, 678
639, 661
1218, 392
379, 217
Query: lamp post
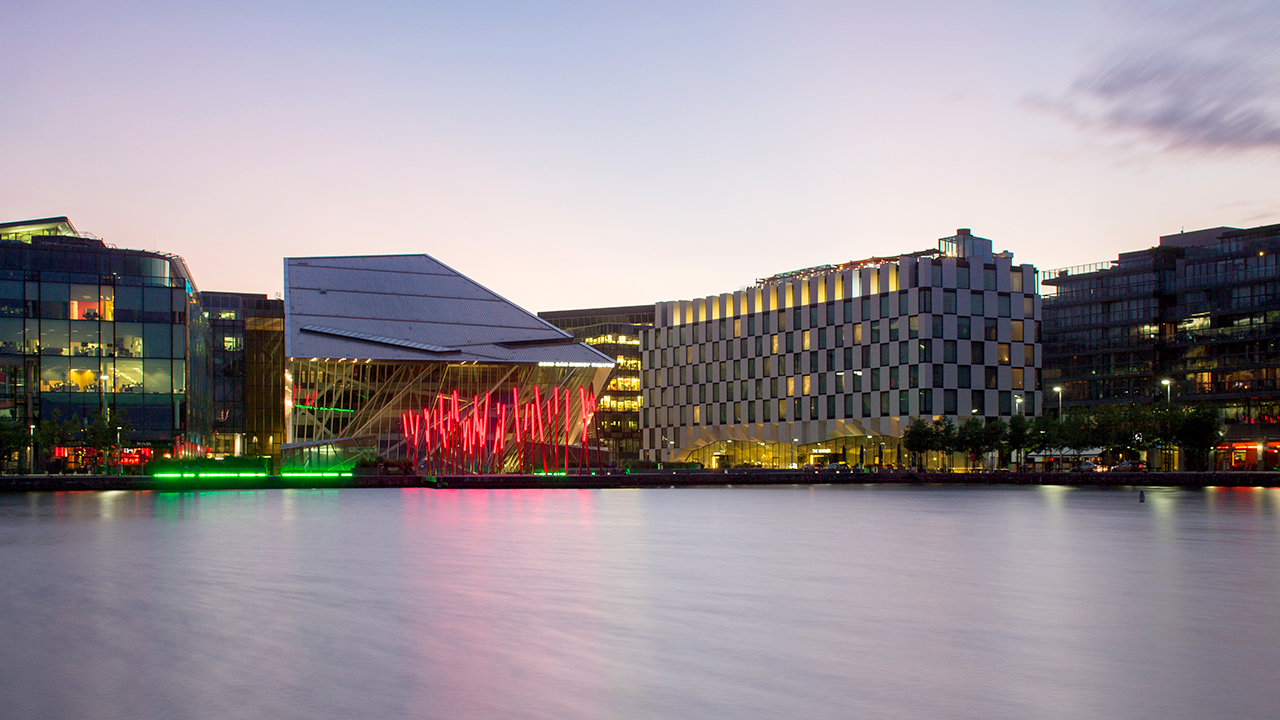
31, 452
1058, 389
1021, 410
1168, 390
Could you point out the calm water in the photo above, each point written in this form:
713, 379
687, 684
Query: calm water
863, 602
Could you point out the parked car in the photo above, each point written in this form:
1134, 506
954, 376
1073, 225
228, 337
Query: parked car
1085, 466
1130, 466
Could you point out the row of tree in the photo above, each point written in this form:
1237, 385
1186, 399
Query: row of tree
1119, 430
99, 433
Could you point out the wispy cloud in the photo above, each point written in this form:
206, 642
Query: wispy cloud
1187, 76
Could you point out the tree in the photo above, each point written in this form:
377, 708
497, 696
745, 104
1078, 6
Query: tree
14, 438
52, 433
103, 435
918, 437
945, 438
969, 437
1198, 432
1019, 436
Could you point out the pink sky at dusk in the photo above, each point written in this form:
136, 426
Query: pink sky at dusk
589, 154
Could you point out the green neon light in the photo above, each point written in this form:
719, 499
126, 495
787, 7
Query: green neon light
317, 474
209, 475
313, 407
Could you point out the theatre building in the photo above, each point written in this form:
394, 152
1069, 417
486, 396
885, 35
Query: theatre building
831, 363
88, 328
402, 358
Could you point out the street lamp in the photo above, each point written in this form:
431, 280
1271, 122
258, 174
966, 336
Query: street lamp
1168, 390
1058, 389
1021, 410
31, 452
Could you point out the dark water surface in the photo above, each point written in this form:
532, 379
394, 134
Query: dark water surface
829, 602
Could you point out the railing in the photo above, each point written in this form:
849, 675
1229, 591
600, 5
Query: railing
1049, 276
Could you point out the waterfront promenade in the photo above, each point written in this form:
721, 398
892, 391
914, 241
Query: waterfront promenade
666, 479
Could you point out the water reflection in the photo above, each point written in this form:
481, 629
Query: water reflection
753, 603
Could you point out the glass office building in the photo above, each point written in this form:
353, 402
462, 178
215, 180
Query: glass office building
1194, 320
247, 373
615, 332
833, 362
86, 328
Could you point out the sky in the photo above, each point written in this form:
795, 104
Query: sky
589, 154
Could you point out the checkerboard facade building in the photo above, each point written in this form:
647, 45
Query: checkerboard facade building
834, 362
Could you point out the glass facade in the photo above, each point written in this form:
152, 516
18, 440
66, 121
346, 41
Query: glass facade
246, 333
1201, 311
87, 328
341, 409
616, 333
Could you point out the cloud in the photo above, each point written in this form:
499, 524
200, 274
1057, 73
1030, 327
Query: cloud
1187, 77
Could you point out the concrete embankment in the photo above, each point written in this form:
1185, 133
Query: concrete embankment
664, 479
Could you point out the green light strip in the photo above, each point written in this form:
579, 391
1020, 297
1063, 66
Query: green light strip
316, 474
313, 407
207, 475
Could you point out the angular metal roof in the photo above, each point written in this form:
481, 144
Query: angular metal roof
412, 307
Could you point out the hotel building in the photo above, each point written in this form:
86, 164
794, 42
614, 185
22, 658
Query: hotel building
833, 362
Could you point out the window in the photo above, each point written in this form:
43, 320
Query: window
895, 376
866, 405
866, 309
937, 376
1016, 374
893, 329
813, 362
848, 311
1015, 330
976, 304
1005, 402
988, 277
989, 326
814, 320
935, 274
963, 376
848, 358
979, 401
926, 402
884, 354
822, 383
976, 352
991, 381
1028, 307
904, 305
963, 328
1002, 305
1015, 280
822, 338
848, 406
913, 376
1002, 353
937, 326
885, 305
913, 327
875, 379
949, 402
1029, 355
904, 353
791, 342
884, 404
949, 302
962, 276
948, 351
904, 403
875, 331
926, 301
924, 351
831, 313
